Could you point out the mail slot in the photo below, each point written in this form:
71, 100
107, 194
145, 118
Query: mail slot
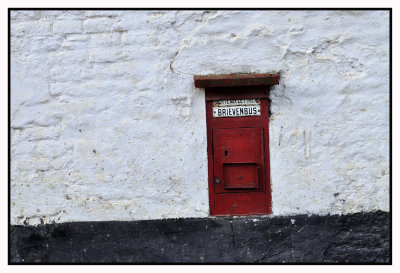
237, 142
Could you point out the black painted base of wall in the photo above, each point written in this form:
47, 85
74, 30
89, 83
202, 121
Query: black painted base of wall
356, 238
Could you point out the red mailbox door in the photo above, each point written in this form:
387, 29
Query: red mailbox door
238, 159
238, 150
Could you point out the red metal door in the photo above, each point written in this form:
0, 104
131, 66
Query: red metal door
238, 159
238, 151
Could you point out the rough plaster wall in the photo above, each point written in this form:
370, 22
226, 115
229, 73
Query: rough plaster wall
106, 123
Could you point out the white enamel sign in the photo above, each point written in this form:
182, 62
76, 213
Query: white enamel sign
236, 108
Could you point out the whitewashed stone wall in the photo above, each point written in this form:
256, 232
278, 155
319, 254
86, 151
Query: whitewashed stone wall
106, 123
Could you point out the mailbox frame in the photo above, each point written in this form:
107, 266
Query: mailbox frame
231, 87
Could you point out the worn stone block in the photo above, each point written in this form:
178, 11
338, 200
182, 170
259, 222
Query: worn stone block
36, 27
98, 25
67, 27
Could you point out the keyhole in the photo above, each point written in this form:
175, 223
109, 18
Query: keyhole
226, 153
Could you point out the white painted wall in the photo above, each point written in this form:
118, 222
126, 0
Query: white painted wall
106, 123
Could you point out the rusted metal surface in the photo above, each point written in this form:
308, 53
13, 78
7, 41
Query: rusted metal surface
236, 80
